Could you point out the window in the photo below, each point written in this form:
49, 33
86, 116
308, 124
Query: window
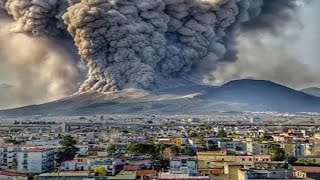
243, 159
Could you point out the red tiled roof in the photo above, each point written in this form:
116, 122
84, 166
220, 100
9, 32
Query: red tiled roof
12, 173
147, 173
307, 169
131, 167
35, 150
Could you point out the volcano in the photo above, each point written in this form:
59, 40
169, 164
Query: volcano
238, 95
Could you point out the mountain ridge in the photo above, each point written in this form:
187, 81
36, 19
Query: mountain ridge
314, 91
237, 95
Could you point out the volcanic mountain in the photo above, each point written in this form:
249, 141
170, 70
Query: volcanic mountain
238, 95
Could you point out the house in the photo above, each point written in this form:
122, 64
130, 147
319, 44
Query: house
87, 164
76, 164
253, 158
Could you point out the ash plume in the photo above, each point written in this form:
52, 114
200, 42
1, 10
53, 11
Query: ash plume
38, 69
148, 44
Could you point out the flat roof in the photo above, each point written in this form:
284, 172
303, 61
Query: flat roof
66, 173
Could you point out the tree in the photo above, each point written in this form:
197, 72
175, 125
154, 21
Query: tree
222, 133
68, 150
188, 152
111, 149
266, 138
100, 171
276, 152
291, 159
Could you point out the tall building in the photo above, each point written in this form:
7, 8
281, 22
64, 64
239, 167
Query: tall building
36, 160
8, 157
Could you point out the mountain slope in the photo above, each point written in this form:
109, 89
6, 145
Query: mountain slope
265, 94
239, 95
314, 91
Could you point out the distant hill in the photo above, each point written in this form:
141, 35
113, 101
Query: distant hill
314, 91
239, 95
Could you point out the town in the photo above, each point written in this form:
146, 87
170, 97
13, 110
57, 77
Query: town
223, 146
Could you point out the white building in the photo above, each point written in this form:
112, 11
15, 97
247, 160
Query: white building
77, 164
35, 160
256, 148
184, 165
83, 150
54, 142
87, 164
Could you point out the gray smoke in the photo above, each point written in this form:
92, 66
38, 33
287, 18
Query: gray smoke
148, 43
265, 57
39, 70
271, 15
285, 55
37, 17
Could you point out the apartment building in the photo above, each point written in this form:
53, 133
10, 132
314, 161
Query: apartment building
36, 160
8, 157
256, 148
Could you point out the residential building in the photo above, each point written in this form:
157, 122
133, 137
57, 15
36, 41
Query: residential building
216, 156
66, 175
224, 145
36, 160
184, 165
254, 174
256, 148
12, 175
253, 158
8, 157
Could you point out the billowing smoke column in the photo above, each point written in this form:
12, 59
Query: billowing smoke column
146, 44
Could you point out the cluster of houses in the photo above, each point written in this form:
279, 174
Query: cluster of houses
189, 152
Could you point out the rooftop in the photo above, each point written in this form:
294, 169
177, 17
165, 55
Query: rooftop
67, 173
307, 169
12, 173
